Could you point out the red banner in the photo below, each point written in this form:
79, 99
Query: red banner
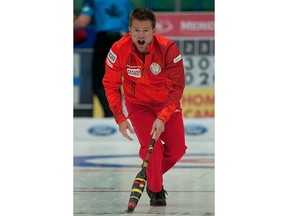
185, 24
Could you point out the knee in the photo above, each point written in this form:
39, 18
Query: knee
179, 153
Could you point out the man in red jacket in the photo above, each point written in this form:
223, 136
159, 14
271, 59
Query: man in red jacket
150, 68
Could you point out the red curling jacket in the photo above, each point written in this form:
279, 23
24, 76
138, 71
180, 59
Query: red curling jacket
155, 78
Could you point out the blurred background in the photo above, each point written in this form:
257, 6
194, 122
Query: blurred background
190, 24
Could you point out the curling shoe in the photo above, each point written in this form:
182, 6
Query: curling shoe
157, 199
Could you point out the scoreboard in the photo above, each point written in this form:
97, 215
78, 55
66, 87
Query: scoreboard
198, 58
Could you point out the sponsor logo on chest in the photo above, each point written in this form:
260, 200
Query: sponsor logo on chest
134, 72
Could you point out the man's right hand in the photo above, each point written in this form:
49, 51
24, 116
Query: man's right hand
123, 126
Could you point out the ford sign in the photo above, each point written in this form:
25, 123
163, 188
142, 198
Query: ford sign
102, 130
194, 130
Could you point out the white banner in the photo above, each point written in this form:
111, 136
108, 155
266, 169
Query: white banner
107, 129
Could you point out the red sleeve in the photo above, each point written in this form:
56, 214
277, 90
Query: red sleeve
112, 81
175, 70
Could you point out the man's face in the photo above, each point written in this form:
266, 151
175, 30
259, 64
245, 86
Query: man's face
142, 34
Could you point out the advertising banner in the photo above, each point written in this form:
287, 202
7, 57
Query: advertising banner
198, 103
94, 129
185, 24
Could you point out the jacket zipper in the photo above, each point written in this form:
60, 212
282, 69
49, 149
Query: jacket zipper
142, 70
133, 88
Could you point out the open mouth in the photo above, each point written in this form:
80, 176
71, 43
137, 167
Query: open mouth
141, 42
